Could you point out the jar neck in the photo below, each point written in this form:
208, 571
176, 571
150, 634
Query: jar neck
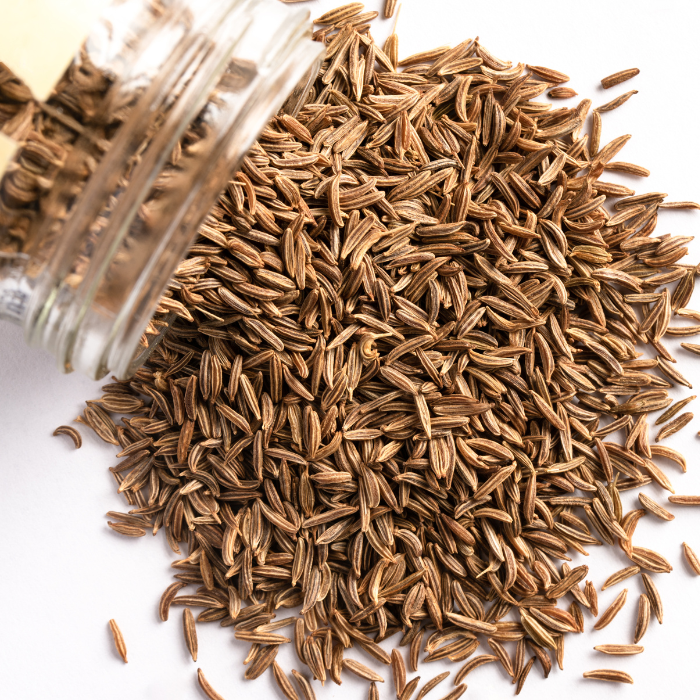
201, 85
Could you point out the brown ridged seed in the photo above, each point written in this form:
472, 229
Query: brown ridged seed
359, 669
619, 77
283, 682
691, 558
472, 664
127, 530
398, 671
414, 650
619, 649
373, 691
72, 433
654, 508
431, 684
118, 639
562, 93
340, 13
304, 685
524, 674
643, 614
410, 688
654, 597
592, 596
389, 8
619, 576
188, 626
206, 687
672, 410
608, 674
685, 500
650, 560
674, 426
617, 102
609, 615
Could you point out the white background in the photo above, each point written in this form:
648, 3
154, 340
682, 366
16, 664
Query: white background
65, 574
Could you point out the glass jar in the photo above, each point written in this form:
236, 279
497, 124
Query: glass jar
118, 168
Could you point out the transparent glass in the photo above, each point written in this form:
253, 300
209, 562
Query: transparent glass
123, 162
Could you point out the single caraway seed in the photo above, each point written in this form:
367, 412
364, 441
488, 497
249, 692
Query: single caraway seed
609, 615
431, 684
167, 598
126, 529
619, 576
414, 650
654, 508
359, 669
188, 626
691, 558
206, 687
562, 93
674, 426
389, 8
283, 682
685, 500
472, 664
304, 685
410, 688
609, 674
373, 691
619, 649
654, 597
619, 77
523, 675
591, 595
617, 102
672, 410
118, 639
398, 671
643, 615
72, 433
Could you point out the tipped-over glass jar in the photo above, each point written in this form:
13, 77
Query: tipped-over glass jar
118, 168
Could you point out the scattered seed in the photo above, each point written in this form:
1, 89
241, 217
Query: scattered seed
654, 597
685, 500
674, 426
619, 576
654, 508
206, 687
691, 558
283, 682
619, 649
118, 639
609, 615
361, 670
72, 433
643, 615
672, 410
456, 693
431, 684
608, 674
617, 102
619, 77
190, 632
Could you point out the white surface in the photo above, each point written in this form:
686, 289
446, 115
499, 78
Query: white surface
65, 574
